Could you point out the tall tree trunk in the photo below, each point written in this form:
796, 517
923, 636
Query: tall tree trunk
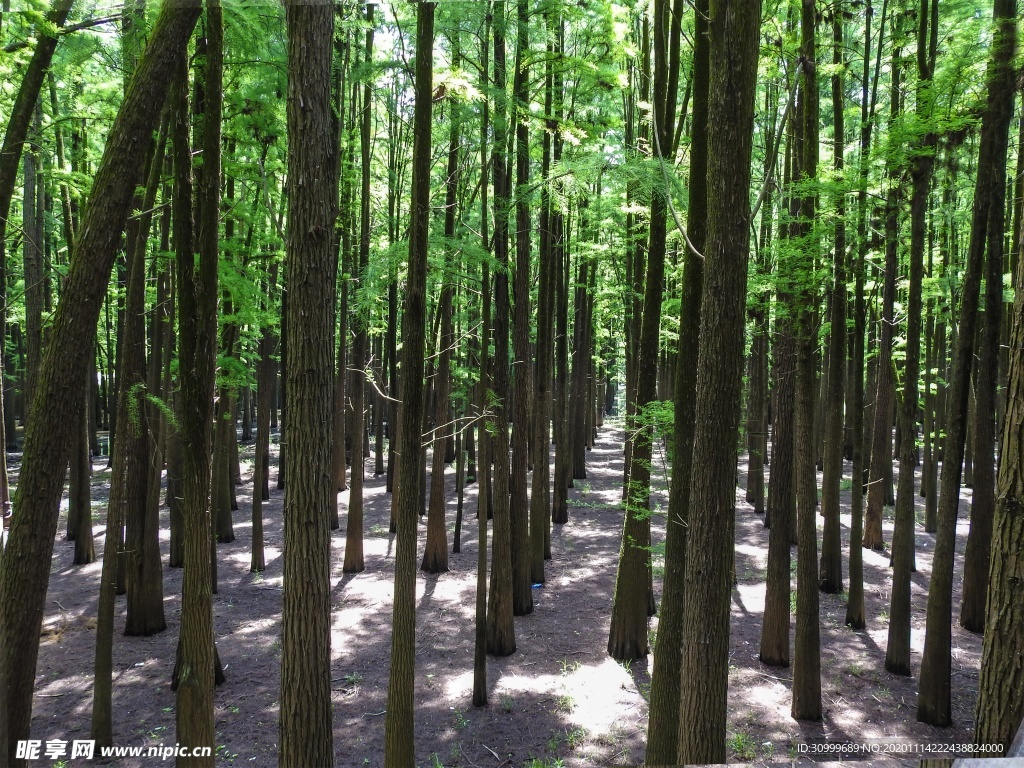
306, 728
879, 470
627, 637
775, 625
399, 743
897, 654
831, 575
500, 629
983, 499
354, 525
435, 554
522, 320
195, 667
1000, 707
807, 640
663, 724
733, 27
933, 703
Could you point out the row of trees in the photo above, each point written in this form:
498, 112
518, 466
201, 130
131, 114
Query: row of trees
658, 195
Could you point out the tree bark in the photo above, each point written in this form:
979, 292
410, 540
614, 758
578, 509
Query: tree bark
733, 32
933, 703
26, 562
399, 743
306, 728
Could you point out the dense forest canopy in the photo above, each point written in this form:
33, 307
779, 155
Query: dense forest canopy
767, 250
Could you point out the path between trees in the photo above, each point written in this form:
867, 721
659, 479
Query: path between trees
558, 696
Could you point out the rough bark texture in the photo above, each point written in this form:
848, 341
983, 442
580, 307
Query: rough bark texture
306, 728
399, 749
807, 641
1000, 706
194, 675
983, 498
26, 562
663, 723
733, 31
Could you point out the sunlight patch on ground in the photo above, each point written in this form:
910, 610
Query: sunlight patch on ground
603, 696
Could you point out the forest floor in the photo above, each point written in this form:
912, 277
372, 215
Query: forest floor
558, 698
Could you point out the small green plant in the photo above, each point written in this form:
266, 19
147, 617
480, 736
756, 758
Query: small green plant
626, 664
768, 750
435, 761
551, 762
257, 578
846, 484
565, 704
353, 678
575, 737
507, 702
568, 667
883, 617
743, 746
234, 710
224, 753
854, 669
460, 719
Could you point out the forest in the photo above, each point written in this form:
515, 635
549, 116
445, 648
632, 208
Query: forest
533, 383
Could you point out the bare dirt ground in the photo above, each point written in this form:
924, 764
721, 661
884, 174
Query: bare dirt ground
558, 698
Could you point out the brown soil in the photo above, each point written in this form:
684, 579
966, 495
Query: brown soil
558, 697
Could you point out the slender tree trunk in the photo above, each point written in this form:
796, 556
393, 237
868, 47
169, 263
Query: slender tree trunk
663, 725
500, 629
831, 575
399, 744
354, 526
807, 641
897, 654
627, 638
522, 321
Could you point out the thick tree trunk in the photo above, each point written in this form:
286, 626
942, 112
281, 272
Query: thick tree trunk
306, 729
733, 32
1000, 707
983, 498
